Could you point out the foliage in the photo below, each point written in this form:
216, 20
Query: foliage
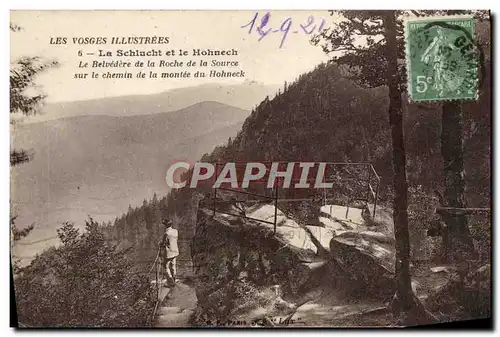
84, 282
25, 96
480, 227
421, 217
464, 298
138, 231
22, 78
357, 42
23, 72
18, 234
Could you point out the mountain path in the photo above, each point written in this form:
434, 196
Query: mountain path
177, 307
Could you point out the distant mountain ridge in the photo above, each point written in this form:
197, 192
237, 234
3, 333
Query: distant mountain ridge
244, 96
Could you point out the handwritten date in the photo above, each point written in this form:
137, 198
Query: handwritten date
263, 27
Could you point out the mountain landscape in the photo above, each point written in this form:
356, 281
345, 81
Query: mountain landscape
315, 257
99, 165
244, 96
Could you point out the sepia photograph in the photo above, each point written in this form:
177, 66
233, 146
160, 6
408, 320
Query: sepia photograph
262, 169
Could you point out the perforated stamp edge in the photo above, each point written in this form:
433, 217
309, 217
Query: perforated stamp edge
412, 19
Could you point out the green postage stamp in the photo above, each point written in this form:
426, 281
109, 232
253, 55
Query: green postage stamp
441, 57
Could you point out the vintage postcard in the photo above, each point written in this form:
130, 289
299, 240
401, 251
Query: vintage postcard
246, 169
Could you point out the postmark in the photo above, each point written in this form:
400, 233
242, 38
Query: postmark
441, 58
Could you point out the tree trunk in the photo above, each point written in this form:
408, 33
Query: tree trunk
459, 246
404, 293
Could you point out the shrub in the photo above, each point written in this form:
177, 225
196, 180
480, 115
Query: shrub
85, 282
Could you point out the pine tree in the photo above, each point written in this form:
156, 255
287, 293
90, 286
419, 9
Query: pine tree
375, 63
22, 76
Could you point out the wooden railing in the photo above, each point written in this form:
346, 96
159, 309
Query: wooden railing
156, 266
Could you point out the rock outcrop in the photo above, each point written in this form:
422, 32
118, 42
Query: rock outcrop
343, 266
238, 260
362, 247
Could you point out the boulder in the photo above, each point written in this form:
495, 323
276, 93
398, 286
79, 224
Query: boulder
377, 236
287, 229
363, 248
365, 259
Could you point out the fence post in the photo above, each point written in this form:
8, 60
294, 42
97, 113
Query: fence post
156, 277
275, 208
347, 209
375, 202
369, 181
215, 190
215, 200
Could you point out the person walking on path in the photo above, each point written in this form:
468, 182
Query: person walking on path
170, 251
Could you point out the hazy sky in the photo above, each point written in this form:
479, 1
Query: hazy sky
263, 61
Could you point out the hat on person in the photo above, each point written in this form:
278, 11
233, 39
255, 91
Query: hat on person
166, 222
